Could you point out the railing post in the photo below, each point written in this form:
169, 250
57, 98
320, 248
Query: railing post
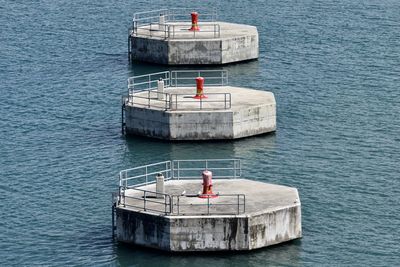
238, 205
178, 206
215, 31
178, 175
144, 200
208, 206
123, 195
171, 204
244, 203
165, 204
146, 174
225, 100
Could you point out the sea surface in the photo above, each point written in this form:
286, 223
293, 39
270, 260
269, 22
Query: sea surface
334, 67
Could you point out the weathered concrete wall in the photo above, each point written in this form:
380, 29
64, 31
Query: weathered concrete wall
274, 227
201, 125
239, 48
150, 50
254, 120
147, 122
199, 233
194, 52
208, 234
179, 125
142, 229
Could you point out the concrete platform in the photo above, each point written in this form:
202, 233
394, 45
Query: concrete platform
268, 214
216, 43
228, 113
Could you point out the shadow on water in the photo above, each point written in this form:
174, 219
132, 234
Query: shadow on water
235, 70
287, 254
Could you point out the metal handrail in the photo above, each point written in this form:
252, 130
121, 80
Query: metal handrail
167, 203
238, 204
181, 172
183, 78
131, 179
212, 77
148, 80
174, 31
175, 99
144, 174
149, 24
172, 204
172, 78
175, 14
175, 169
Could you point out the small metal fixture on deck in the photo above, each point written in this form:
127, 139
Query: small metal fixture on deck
207, 185
195, 21
200, 88
246, 215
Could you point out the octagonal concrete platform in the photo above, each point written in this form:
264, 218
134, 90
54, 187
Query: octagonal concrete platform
228, 113
268, 214
178, 46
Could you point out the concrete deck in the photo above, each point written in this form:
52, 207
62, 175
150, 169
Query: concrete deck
260, 197
236, 42
252, 112
240, 98
227, 30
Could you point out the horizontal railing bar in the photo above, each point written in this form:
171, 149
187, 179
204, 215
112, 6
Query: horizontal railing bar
149, 199
200, 168
141, 175
191, 78
138, 207
146, 75
214, 177
157, 10
177, 71
146, 18
186, 160
148, 165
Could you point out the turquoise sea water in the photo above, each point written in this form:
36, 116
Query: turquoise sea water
334, 67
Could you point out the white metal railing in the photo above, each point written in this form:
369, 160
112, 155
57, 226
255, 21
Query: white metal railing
221, 168
148, 81
144, 88
184, 78
167, 23
145, 174
173, 15
179, 169
146, 201
172, 204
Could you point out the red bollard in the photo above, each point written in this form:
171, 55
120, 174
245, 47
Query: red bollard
195, 21
207, 185
199, 88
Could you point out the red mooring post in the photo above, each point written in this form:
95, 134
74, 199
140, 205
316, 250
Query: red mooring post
207, 185
200, 88
195, 21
